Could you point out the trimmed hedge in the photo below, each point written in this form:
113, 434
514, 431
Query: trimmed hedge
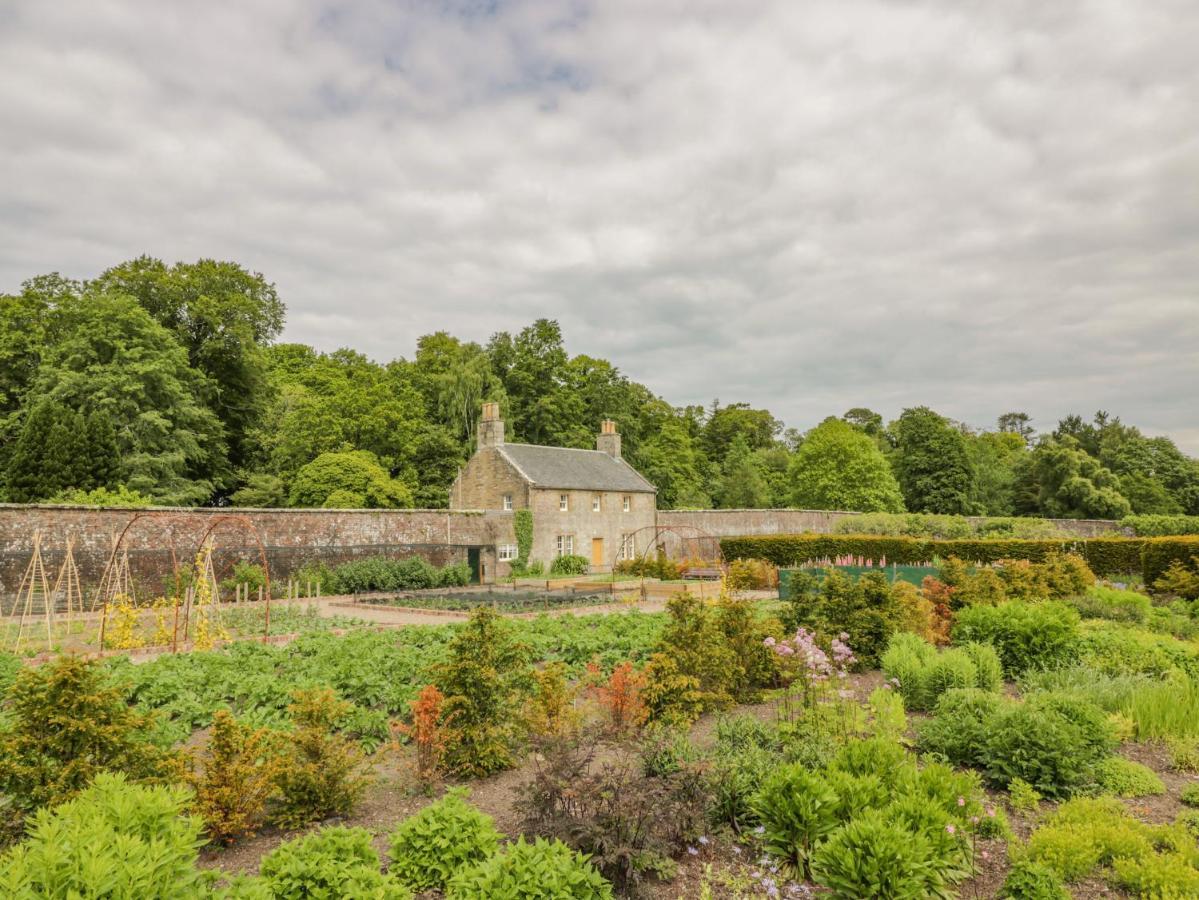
1105, 556
1159, 553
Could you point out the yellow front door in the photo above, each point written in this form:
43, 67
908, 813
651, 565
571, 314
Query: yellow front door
597, 551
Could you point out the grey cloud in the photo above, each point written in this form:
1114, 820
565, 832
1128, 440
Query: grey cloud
808, 206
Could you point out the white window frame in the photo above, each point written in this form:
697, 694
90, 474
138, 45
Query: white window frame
566, 545
628, 546
564, 503
628, 503
506, 552
597, 503
507, 502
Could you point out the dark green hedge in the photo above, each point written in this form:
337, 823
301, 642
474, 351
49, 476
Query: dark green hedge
1158, 553
1105, 556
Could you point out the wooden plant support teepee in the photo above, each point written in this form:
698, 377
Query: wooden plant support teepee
68, 595
33, 585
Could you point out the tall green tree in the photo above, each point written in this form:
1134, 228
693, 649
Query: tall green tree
44, 461
114, 359
757, 429
1061, 480
223, 316
669, 460
995, 458
103, 456
351, 479
839, 467
932, 463
742, 485
533, 369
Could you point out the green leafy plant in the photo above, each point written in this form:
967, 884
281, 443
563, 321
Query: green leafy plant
1190, 794
569, 564
1029, 880
870, 857
429, 847
1025, 635
541, 870
115, 839
798, 810
332, 862
322, 773
522, 526
1022, 795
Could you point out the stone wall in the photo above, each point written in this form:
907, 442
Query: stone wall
584, 525
290, 537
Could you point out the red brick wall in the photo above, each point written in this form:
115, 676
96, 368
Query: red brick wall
291, 537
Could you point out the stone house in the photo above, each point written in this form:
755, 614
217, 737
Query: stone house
588, 503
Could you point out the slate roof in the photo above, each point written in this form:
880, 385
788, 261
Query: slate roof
561, 467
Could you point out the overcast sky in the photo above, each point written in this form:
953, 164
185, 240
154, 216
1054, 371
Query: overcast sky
809, 206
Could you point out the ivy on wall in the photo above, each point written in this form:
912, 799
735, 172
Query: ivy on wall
522, 524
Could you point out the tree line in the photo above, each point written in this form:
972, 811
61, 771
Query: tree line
166, 384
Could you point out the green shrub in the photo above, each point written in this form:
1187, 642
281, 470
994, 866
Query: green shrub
542, 870
944, 527
961, 725
569, 564
1190, 795
1125, 778
323, 773
1025, 635
797, 810
1102, 602
1160, 525
1125, 650
113, 840
429, 847
1180, 579
1022, 795
864, 608
485, 680
988, 669
65, 723
1029, 880
1165, 875
332, 862
906, 659
381, 573
1055, 744
736, 775
871, 857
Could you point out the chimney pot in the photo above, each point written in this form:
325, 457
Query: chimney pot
491, 427
608, 440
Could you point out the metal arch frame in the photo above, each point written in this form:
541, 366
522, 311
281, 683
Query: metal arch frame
682, 532
169, 521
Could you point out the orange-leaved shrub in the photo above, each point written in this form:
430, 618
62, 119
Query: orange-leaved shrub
427, 732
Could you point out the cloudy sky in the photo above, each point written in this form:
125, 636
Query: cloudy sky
979, 206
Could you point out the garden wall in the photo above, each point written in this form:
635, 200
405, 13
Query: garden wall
748, 522
291, 537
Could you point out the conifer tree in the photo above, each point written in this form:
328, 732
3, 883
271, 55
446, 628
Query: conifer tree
103, 455
41, 464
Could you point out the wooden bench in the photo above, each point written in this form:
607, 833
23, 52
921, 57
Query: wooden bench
701, 574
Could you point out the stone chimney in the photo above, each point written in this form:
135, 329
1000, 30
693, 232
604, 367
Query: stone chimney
608, 440
491, 427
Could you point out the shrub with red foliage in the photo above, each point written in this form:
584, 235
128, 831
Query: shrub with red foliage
619, 696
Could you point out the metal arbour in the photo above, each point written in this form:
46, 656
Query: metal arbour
688, 536
176, 529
